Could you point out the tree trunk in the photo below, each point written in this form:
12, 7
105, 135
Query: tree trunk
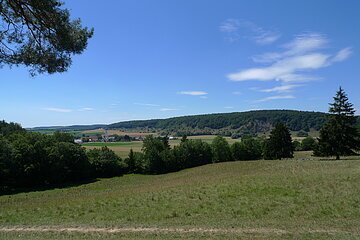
337, 157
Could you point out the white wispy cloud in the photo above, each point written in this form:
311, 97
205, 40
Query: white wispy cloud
281, 89
306, 42
60, 110
86, 109
193, 93
228, 107
300, 45
342, 55
236, 29
147, 104
168, 109
285, 70
237, 93
277, 97
230, 25
301, 56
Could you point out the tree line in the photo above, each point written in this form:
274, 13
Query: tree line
29, 159
157, 157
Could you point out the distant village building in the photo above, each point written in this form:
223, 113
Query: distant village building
78, 141
111, 139
93, 138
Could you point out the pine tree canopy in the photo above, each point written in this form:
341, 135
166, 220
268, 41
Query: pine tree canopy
40, 35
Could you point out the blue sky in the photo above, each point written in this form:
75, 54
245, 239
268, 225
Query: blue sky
164, 58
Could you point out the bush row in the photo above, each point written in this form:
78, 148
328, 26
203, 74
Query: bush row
158, 157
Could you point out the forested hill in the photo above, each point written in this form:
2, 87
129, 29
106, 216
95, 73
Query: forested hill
236, 123
231, 123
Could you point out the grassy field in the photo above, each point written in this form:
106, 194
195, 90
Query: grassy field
307, 199
120, 148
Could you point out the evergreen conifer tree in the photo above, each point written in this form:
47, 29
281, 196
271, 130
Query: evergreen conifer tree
339, 136
279, 145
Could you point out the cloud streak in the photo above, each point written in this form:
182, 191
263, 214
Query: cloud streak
193, 93
86, 109
147, 104
59, 110
280, 89
168, 109
236, 29
277, 97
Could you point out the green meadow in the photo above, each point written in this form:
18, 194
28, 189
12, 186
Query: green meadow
282, 199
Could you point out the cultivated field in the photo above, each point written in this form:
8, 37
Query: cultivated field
288, 199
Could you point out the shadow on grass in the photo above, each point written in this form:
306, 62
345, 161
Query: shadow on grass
333, 158
5, 190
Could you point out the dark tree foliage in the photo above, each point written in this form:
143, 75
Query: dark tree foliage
7, 165
248, 149
158, 157
297, 145
308, 144
339, 136
279, 145
32, 159
192, 153
63, 137
29, 159
9, 128
152, 149
125, 138
135, 162
221, 150
40, 34
105, 163
131, 162
65, 162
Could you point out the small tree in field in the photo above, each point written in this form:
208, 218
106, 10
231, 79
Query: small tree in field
339, 136
279, 145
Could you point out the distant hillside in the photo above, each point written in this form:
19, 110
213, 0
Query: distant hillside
236, 123
251, 122
69, 128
